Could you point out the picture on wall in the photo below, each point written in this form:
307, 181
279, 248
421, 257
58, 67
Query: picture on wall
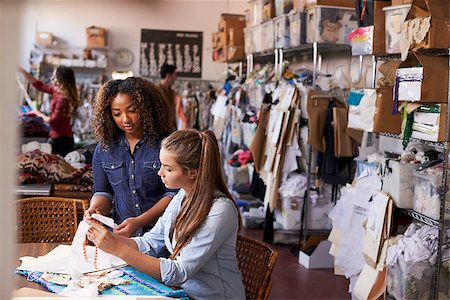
180, 48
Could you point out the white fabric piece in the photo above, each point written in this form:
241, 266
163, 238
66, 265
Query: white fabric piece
34, 145
75, 159
349, 256
415, 245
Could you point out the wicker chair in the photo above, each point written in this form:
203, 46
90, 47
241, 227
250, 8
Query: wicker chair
256, 260
48, 219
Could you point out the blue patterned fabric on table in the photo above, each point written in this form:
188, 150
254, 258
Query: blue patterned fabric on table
140, 284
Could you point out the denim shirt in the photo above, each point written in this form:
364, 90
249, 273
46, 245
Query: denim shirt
207, 267
130, 181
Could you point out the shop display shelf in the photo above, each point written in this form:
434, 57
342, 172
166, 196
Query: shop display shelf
420, 217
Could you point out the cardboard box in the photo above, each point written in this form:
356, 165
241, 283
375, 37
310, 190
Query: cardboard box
95, 37
231, 53
215, 39
221, 39
438, 33
235, 37
228, 21
434, 85
383, 119
283, 7
401, 2
340, 3
44, 38
235, 53
268, 10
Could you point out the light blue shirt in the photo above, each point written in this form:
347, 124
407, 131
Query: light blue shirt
207, 267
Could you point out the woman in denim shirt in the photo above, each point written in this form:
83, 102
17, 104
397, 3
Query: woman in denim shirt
130, 120
199, 227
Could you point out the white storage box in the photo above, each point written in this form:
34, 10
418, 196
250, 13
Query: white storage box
394, 16
289, 216
77, 62
257, 38
426, 193
256, 12
297, 28
282, 34
66, 62
90, 63
248, 40
398, 182
267, 36
330, 24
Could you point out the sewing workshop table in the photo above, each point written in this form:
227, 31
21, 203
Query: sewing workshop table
31, 249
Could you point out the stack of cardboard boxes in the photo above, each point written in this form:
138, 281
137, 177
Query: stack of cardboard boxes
228, 42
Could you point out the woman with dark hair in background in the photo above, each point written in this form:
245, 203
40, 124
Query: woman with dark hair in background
63, 106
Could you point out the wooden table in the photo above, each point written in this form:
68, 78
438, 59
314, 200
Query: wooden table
31, 249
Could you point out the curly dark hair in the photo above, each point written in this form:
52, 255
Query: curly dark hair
155, 114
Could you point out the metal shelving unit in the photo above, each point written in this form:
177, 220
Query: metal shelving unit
440, 145
278, 56
441, 224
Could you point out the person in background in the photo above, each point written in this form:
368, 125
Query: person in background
168, 77
130, 119
63, 107
199, 227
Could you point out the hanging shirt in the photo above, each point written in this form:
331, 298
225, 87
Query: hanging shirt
60, 119
207, 266
130, 181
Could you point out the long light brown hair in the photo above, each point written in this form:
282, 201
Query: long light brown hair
66, 83
194, 150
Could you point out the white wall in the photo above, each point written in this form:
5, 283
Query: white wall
67, 20
9, 26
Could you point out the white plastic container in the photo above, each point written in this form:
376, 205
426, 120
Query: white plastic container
399, 182
257, 38
267, 36
256, 12
297, 28
248, 40
394, 16
281, 29
330, 24
426, 193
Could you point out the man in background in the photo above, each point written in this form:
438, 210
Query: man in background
168, 77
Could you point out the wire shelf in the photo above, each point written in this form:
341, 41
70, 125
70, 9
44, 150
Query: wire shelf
422, 218
441, 145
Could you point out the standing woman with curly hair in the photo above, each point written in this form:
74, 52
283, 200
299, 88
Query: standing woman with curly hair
63, 106
130, 120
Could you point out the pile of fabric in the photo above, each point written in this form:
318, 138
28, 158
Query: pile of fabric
36, 167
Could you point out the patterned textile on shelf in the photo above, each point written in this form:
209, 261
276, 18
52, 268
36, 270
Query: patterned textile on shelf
53, 169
